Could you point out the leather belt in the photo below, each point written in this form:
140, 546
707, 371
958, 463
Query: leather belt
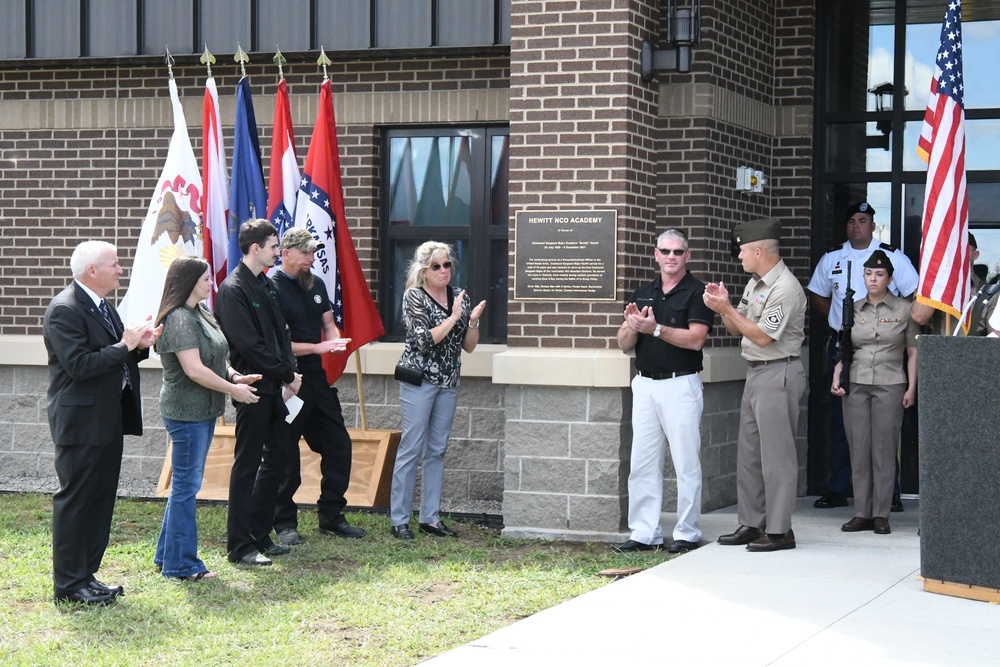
755, 364
664, 376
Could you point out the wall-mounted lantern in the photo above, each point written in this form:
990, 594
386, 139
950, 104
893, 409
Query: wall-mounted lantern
883, 102
683, 31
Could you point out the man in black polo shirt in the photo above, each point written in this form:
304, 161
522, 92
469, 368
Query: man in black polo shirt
666, 322
306, 307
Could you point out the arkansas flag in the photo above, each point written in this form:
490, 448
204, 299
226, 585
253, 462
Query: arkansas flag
247, 198
319, 208
215, 190
284, 181
171, 227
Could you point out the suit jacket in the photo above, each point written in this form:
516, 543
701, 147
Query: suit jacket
85, 373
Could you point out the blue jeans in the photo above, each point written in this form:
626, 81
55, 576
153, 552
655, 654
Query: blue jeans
177, 548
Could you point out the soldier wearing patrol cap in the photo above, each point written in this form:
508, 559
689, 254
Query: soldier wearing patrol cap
880, 391
771, 317
827, 289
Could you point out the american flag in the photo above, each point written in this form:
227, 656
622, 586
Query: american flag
944, 254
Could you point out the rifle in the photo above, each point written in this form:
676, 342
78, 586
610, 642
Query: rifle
846, 352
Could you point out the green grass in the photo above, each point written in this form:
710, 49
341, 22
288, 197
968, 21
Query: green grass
377, 601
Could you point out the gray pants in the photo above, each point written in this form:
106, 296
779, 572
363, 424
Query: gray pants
873, 418
767, 468
427, 415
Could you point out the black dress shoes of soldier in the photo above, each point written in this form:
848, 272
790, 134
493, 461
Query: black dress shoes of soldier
742, 535
681, 546
830, 500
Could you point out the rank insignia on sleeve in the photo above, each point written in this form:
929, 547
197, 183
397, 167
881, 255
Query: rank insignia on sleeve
773, 317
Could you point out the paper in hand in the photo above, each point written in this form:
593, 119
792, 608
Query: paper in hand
294, 404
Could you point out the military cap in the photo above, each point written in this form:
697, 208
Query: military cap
300, 239
757, 230
860, 207
972, 241
879, 260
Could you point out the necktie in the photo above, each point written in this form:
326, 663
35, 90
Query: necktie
111, 325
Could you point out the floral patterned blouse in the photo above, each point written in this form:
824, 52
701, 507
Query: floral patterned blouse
182, 398
441, 363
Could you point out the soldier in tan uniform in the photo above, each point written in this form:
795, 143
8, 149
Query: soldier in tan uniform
879, 391
771, 318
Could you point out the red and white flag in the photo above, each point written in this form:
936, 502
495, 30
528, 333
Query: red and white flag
215, 189
170, 228
283, 184
319, 208
944, 249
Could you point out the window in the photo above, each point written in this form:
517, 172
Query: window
448, 185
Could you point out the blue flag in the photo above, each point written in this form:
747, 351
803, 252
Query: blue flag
247, 197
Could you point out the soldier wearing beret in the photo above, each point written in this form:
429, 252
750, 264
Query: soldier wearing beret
827, 289
771, 318
879, 391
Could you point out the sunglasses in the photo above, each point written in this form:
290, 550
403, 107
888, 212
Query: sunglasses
677, 252
437, 267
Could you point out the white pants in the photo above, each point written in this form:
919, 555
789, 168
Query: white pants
665, 411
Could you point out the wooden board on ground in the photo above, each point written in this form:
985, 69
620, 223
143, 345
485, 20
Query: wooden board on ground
371, 468
962, 590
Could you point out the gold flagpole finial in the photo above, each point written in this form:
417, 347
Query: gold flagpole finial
207, 59
242, 58
280, 60
170, 62
323, 61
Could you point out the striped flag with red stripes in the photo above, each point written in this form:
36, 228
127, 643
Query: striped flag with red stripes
214, 189
944, 249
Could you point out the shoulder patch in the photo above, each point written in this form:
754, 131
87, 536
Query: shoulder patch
835, 248
886, 246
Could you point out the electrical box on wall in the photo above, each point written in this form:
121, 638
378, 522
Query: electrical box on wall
749, 179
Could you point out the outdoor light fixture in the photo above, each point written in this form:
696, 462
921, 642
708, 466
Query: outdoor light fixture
683, 31
883, 102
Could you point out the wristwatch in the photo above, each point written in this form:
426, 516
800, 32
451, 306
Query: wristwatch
656, 331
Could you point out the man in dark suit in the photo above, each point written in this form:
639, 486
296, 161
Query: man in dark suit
93, 400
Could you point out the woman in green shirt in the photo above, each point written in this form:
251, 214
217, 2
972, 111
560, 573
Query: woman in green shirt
196, 378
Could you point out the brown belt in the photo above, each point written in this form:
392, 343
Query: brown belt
755, 364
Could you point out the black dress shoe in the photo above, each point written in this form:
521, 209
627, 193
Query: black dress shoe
680, 546
881, 525
773, 542
277, 550
857, 524
255, 559
114, 590
830, 500
897, 504
742, 535
438, 529
88, 596
342, 528
633, 545
401, 532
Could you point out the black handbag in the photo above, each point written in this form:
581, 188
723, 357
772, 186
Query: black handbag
413, 376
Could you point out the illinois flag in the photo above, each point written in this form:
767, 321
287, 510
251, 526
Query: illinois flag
247, 198
944, 249
171, 227
214, 189
319, 208
284, 181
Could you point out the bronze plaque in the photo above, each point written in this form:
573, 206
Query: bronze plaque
565, 255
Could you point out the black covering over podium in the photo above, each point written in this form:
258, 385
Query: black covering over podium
959, 396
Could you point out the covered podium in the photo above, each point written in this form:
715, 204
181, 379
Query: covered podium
959, 396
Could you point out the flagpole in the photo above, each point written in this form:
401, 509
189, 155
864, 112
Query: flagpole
361, 390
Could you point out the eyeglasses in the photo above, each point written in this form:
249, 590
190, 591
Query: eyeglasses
437, 267
676, 252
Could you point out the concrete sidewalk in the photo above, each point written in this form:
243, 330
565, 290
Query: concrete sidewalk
844, 599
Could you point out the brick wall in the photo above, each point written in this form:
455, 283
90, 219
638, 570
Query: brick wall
81, 150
